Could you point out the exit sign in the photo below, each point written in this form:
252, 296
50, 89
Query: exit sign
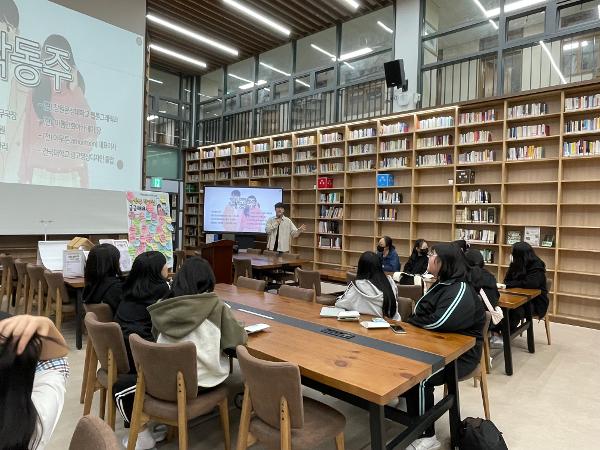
156, 182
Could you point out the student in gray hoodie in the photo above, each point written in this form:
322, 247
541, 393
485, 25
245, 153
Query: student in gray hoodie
193, 312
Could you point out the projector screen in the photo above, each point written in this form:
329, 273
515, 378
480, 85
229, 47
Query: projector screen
239, 209
71, 99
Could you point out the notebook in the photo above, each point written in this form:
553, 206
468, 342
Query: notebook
330, 311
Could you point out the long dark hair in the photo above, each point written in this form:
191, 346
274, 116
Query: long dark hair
388, 242
194, 277
369, 268
475, 268
523, 257
462, 244
453, 262
145, 281
416, 251
20, 425
102, 262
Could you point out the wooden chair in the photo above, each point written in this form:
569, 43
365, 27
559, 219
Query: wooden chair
405, 307
103, 314
108, 347
22, 284
311, 279
297, 293
350, 276
479, 373
179, 259
38, 288
167, 389
410, 291
277, 414
8, 279
250, 283
242, 267
254, 251
57, 296
93, 432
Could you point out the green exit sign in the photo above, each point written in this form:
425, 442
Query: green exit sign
156, 182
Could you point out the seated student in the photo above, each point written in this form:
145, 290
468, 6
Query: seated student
480, 277
103, 277
145, 285
390, 261
33, 377
462, 244
417, 262
450, 305
373, 292
193, 312
527, 270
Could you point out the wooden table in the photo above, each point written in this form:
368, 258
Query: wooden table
367, 368
265, 262
78, 284
511, 299
334, 275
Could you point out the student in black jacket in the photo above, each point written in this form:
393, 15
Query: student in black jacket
527, 271
480, 278
103, 277
450, 305
417, 262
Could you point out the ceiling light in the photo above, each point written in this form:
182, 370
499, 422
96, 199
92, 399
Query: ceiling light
554, 65
152, 117
261, 82
237, 77
325, 52
185, 58
493, 24
155, 81
275, 69
351, 67
355, 53
258, 16
192, 34
514, 6
247, 86
162, 112
385, 27
353, 4
480, 6
302, 83
575, 44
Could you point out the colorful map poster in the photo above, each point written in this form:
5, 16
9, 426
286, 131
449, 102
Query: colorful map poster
149, 220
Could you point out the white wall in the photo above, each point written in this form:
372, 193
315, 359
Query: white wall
407, 48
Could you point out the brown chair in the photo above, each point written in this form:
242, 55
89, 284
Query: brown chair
251, 283
297, 293
38, 288
254, 251
103, 314
58, 295
350, 276
8, 279
167, 389
282, 417
108, 347
479, 373
410, 291
242, 267
405, 307
93, 432
311, 279
22, 284
179, 259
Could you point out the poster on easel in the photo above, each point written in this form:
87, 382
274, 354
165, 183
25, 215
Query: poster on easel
150, 224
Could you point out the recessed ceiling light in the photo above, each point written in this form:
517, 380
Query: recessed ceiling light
177, 55
189, 33
385, 27
258, 16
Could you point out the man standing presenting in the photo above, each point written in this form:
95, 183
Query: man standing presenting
281, 230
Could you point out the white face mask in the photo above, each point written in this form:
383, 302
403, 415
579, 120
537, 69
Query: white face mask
510, 258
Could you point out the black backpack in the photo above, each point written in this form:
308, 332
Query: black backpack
480, 434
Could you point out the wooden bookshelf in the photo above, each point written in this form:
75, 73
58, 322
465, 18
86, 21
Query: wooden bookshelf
536, 160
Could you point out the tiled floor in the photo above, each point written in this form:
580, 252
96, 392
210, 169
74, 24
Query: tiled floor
551, 402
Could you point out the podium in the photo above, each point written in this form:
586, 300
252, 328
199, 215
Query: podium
219, 255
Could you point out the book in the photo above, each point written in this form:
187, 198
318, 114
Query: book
532, 236
512, 237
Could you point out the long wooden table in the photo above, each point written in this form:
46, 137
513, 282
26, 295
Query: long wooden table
511, 299
266, 262
368, 368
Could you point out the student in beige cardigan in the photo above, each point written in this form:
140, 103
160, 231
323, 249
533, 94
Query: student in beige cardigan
280, 230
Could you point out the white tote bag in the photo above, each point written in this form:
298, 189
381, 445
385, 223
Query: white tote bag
497, 314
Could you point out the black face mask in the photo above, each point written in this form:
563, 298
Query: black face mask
380, 249
424, 251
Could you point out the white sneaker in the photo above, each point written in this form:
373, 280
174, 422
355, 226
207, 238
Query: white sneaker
145, 441
428, 443
496, 342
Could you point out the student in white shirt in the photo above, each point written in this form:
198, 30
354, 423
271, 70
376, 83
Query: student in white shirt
280, 230
33, 375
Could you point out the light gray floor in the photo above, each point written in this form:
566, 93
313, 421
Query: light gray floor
551, 402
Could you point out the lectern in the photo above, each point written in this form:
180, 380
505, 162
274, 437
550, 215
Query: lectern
219, 255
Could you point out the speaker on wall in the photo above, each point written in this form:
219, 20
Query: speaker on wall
394, 74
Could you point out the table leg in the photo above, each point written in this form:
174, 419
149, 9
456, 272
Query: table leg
376, 420
451, 378
529, 318
508, 365
78, 319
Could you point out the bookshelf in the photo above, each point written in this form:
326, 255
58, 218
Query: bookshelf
536, 160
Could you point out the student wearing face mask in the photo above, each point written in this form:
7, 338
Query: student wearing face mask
417, 263
390, 261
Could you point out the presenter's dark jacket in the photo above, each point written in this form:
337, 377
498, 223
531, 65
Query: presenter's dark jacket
453, 306
533, 278
391, 262
108, 291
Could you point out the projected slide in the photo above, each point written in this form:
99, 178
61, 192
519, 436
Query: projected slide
238, 210
71, 98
